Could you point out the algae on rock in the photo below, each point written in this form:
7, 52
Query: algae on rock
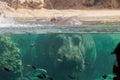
10, 55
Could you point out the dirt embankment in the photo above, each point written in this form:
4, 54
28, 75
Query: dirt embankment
62, 11
63, 4
82, 4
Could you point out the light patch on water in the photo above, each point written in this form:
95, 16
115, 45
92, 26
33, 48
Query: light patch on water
9, 25
9, 22
4, 22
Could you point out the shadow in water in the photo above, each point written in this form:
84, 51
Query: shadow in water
116, 67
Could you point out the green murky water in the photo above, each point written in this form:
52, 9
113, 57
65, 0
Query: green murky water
57, 56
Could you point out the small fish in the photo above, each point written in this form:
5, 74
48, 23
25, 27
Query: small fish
71, 77
40, 76
42, 70
104, 76
44, 75
31, 66
59, 60
6, 69
33, 45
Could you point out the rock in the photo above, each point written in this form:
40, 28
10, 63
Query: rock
62, 4
88, 2
36, 4
4, 7
61, 20
114, 3
75, 50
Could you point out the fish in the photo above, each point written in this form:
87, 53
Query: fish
41, 75
33, 67
43, 70
44, 75
71, 77
59, 60
104, 76
33, 45
6, 69
29, 65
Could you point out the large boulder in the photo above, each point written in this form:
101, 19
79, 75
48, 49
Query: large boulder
10, 59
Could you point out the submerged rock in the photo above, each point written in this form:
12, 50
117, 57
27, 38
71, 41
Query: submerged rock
75, 51
10, 58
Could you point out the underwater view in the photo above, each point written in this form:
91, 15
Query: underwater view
58, 56
59, 39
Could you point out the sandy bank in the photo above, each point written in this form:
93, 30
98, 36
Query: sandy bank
102, 16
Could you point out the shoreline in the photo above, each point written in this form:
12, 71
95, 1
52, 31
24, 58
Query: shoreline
83, 20
84, 16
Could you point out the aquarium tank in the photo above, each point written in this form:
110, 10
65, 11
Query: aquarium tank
52, 52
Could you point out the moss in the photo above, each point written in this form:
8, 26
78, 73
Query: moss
9, 54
